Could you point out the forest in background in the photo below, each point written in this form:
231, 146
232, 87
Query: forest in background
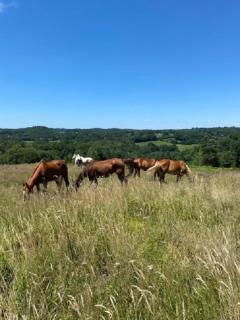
218, 147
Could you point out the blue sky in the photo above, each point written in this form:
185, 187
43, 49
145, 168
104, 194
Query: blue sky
128, 64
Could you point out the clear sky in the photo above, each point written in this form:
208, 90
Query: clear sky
128, 64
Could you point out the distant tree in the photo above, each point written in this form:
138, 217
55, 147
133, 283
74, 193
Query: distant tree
227, 159
209, 154
216, 146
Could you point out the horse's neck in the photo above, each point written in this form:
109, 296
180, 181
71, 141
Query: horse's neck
33, 179
81, 176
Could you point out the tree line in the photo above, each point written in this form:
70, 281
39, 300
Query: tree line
218, 147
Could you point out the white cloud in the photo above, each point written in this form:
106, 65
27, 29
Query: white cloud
5, 6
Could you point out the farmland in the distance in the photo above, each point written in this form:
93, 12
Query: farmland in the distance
217, 147
181, 147
107, 252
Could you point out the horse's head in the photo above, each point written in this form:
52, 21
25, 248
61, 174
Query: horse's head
77, 183
26, 190
78, 162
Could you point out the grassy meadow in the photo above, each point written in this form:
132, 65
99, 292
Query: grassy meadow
111, 252
180, 146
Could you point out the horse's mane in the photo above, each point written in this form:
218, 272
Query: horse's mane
37, 166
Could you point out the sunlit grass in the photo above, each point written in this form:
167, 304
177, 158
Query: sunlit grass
111, 252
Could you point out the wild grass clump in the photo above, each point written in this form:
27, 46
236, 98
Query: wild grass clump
107, 252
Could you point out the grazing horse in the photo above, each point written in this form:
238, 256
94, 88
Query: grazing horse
81, 160
135, 165
46, 171
102, 169
176, 167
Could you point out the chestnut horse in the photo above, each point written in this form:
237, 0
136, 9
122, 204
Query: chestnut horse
46, 171
102, 169
135, 165
176, 167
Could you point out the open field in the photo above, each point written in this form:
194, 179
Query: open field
181, 147
156, 142
107, 252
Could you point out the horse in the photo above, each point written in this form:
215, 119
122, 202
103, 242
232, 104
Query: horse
46, 171
175, 167
102, 169
135, 165
81, 160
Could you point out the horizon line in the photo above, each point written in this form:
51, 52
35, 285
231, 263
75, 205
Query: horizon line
117, 128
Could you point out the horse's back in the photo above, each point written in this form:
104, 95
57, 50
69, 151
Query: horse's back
147, 163
173, 166
164, 164
54, 167
118, 161
107, 161
104, 166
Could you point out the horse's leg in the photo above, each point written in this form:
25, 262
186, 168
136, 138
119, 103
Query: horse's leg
164, 177
91, 181
58, 181
65, 177
179, 176
137, 172
44, 182
122, 177
131, 170
156, 174
161, 177
38, 187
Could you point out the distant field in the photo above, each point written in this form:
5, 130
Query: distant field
110, 252
181, 147
156, 142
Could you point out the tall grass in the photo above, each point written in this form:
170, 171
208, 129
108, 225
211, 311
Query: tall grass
107, 252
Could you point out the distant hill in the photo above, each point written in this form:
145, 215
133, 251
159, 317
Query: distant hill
209, 146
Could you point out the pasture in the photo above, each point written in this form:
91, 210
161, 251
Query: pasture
181, 147
111, 252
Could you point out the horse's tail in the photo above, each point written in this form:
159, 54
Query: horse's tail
189, 172
157, 165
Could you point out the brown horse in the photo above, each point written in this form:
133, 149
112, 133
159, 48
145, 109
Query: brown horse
104, 168
176, 167
46, 171
135, 165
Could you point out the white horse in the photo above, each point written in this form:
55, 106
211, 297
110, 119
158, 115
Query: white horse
81, 160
